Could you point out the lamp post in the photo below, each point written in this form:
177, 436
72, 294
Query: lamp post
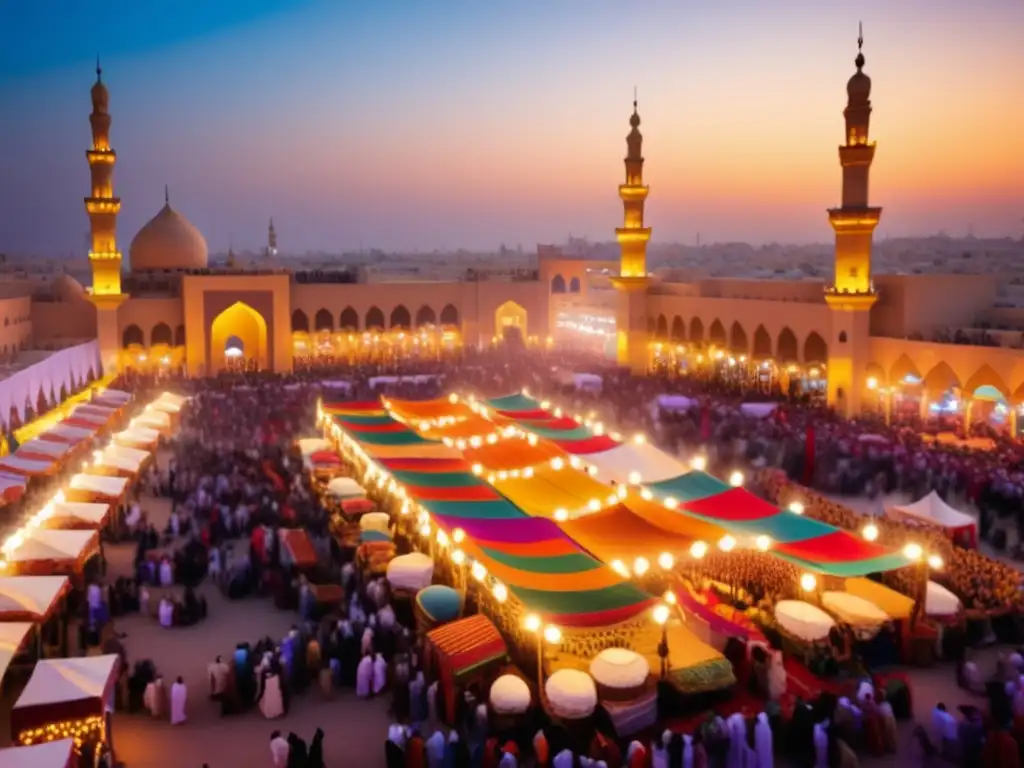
661, 619
551, 634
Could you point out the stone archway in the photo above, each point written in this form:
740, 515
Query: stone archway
510, 315
245, 329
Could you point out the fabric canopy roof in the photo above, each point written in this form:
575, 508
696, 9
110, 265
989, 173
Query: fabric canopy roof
47, 754
805, 621
67, 433
101, 486
123, 458
548, 490
298, 547
895, 604
12, 635
932, 510
44, 450
30, 598
65, 689
465, 644
619, 463
28, 467
53, 544
533, 557
616, 533
137, 437
310, 445
93, 514
11, 487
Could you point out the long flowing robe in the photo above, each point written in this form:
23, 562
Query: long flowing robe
154, 696
763, 740
364, 677
435, 750
821, 745
417, 702
636, 755
380, 674
179, 698
272, 700
687, 751
777, 678
737, 741
415, 752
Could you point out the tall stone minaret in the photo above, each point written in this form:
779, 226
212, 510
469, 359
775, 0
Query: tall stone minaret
852, 293
632, 281
103, 207
271, 240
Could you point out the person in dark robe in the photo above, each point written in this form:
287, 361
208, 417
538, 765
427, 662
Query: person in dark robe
675, 750
415, 751
298, 754
1000, 750
971, 735
394, 755
316, 750
350, 655
800, 741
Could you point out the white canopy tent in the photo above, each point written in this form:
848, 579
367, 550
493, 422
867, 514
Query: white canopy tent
345, 488
674, 403
83, 681
152, 419
758, 410
137, 437
51, 544
803, 620
100, 486
21, 466
172, 399
122, 458
39, 447
118, 395
310, 445
863, 616
30, 598
46, 754
939, 601
651, 463
89, 513
12, 635
932, 510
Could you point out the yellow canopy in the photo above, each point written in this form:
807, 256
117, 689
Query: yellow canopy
548, 489
893, 603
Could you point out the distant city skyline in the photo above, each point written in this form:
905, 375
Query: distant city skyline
409, 126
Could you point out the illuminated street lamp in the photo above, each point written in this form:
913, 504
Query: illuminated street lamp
661, 613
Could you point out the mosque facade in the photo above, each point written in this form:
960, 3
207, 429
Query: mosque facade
848, 338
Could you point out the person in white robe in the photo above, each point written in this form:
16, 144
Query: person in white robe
777, 678
366, 644
659, 751
821, 744
272, 701
687, 751
154, 696
280, 749
166, 573
213, 565
144, 600
508, 760
432, 701
763, 742
564, 759
435, 749
166, 613
865, 690
380, 674
387, 618
737, 741
364, 677
179, 700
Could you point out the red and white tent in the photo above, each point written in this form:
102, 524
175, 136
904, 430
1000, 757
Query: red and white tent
66, 689
933, 511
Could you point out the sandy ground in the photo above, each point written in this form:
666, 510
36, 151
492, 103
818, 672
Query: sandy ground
355, 728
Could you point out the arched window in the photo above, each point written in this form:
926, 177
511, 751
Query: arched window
678, 329
449, 315
716, 334
788, 351
400, 317
300, 322
323, 320
738, 344
133, 336
161, 334
179, 336
842, 337
574, 285
349, 319
374, 319
696, 329
762, 344
661, 330
815, 349
425, 316
558, 284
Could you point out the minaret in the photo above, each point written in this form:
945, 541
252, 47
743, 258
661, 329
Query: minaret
632, 281
271, 240
852, 293
103, 207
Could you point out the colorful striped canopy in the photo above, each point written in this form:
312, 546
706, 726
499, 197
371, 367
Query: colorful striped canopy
545, 569
808, 543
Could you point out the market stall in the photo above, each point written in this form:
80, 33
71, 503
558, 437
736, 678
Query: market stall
67, 698
43, 450
934, 512
117, 396
52, 754
16, 465
803, 621
940, 602
411, 572
97, 488
461, 652
12, 640
138, 437
68, 433
50, 552
86, 419
12, 488
31, 598
104, 412
76, 515
345, 488
120, 460
151, 418
864, 617
297, 548
624, 689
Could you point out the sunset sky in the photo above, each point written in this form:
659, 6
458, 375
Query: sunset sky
422, 125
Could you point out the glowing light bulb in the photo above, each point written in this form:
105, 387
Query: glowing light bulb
478, 469
639, 438
666, 561
764, 543
500, 593
557, 463
634, 478
646, 494
458, 557
660, 614
699, 463
698, 549
727, 543
594, 505
670, 597
808, 582
736, 479
561, 515
458, 535
796, 507
870, 532
532, 622
619, 567
552, 635
935, 562
641, 566
913, 551
671, 503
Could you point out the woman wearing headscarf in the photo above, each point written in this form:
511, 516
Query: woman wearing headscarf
415, 751
435, 749
659, 751
735, 757
394, 747
821, 745
298, 755
455, 753
636, 755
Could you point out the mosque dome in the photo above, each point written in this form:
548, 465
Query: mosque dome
168, 241
65, 288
